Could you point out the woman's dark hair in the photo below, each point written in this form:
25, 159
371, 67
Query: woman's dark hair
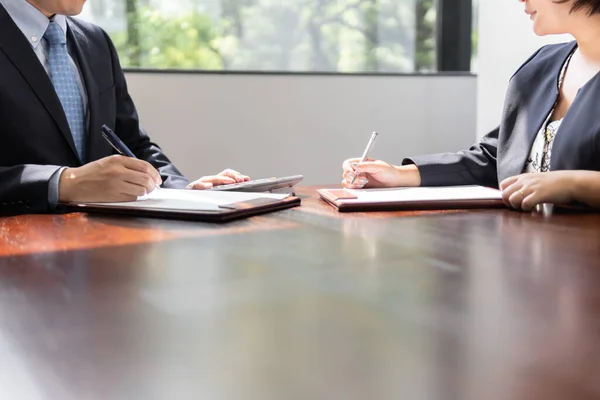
593, 6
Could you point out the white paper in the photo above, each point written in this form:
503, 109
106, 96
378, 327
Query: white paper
209, 196
191, 200
422, 194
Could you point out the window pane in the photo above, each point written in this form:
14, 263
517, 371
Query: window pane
271, 35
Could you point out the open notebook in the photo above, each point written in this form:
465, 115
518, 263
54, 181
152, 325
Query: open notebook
199, 205
443, 197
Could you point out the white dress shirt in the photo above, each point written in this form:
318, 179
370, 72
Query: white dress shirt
33, 24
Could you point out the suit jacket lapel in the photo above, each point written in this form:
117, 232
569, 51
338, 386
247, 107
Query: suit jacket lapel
527, 128
96, 146
541, 93
19, 51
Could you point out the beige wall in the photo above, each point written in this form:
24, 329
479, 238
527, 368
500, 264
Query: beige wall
506, 40
268, 125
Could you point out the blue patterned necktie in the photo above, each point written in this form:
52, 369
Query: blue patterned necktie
64, 80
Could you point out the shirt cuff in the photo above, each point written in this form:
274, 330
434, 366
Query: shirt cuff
53, 188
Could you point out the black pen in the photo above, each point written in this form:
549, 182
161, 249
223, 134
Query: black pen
118, 144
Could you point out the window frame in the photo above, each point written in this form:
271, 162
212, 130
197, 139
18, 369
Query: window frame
454, 29
454, 35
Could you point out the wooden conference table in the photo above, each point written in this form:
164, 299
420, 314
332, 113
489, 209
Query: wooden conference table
304, 303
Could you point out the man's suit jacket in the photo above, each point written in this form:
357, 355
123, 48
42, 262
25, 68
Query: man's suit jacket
503, 152
35, 140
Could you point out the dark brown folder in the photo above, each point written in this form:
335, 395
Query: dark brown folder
227, 212
355, 200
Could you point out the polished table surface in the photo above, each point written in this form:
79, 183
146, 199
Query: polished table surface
304, 303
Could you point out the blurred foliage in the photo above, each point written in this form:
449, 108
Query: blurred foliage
182, 42
290, 35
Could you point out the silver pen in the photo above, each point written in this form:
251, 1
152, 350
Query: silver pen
366, 153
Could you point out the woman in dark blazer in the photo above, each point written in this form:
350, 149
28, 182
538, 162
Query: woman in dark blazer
547, 147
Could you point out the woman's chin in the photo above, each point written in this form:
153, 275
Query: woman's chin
540, 31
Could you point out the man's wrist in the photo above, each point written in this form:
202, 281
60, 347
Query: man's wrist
54, 188
64, 185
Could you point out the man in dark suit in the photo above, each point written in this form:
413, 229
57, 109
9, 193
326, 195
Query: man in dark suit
60, 81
